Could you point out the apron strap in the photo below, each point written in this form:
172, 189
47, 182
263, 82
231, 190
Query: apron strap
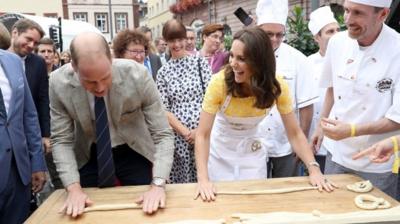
226, 103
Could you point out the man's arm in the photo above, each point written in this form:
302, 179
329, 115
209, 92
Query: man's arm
43, 104
306, 92
62, 136
32, 130
158, 126
34, 140
316, 138
163, 138
305, 116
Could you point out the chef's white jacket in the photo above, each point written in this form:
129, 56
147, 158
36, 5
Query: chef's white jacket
366, 88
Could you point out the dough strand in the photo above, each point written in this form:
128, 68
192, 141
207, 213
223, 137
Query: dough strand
112, 207
270, 191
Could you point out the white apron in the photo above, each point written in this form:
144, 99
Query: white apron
237, 148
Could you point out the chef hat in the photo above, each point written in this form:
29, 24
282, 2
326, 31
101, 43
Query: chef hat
272, 11
376, 3
320, 18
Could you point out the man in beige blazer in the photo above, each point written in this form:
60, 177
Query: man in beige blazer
139, 134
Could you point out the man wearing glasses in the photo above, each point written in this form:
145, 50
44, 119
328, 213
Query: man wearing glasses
295, 69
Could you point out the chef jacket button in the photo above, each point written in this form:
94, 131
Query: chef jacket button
339, 97
336, 118
364, 108
269, 129
368, 85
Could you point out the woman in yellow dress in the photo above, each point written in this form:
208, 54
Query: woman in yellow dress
229, 145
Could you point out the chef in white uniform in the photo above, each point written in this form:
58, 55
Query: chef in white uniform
362, 74
295, 69
323, 26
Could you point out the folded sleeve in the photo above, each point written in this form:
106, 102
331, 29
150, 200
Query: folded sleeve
284, 101
215, 94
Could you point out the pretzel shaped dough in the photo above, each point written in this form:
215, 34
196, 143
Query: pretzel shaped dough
370, 202
361, 187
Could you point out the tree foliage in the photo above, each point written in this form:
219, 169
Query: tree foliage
298, 35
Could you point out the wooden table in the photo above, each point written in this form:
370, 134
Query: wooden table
181, 206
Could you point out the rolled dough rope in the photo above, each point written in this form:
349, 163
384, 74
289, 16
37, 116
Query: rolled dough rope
361, 187
271, 191
112, 207
362, 200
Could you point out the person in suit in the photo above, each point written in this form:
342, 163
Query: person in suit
48, 51
153, 64
25, 36
151, 61
108, 126
161, 46
21, 154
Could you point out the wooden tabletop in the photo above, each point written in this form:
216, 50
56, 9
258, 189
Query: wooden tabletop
181, 206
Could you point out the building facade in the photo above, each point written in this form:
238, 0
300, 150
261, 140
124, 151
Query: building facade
46, 8
158, 13
124, 14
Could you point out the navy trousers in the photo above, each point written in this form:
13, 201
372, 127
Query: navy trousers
15, 198
131, 168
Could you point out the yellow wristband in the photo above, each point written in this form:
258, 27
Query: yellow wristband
396, 164
352, 130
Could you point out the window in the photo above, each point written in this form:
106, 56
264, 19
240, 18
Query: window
101, 20
121, 21
80, 16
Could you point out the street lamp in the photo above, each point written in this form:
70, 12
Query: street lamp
111, 23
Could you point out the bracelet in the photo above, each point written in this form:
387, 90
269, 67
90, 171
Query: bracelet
313, 163
396, 164
352, 130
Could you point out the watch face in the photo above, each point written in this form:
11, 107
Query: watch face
158, 182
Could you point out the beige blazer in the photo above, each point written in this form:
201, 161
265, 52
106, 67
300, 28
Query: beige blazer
136, 112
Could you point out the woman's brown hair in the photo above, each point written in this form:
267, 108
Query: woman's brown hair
173, 29
124, 38
259, 56
211, 28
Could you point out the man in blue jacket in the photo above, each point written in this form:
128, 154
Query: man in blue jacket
22, 163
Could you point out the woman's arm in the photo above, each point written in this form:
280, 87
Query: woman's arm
177, 125
202, 149
301, 147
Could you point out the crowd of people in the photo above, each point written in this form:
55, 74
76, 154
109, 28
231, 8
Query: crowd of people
142, 112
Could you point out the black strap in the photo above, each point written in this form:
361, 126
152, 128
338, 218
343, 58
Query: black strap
201, 77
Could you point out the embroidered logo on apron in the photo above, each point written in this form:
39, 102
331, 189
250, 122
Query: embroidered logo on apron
384, 85
255, 146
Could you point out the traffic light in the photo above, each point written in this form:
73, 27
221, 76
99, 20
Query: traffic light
54, 35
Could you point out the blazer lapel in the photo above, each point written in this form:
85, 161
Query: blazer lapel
116, 99
13, 81
81, 105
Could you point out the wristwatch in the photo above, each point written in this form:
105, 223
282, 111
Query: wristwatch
159, 182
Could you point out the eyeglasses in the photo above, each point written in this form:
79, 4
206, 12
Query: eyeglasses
135, 52
276, 35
